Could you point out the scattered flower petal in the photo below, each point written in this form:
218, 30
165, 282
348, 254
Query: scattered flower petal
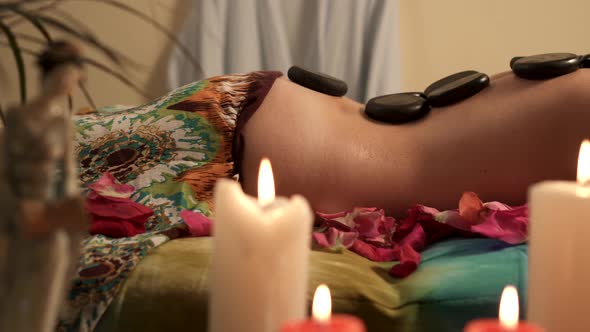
470, 206
198, 224
334, 239
510, 226
372, 252
115, 228
108, 186
112, 212
118, 208
409, 259
380, 238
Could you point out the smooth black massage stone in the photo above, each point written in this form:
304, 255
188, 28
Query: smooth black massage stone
585, 61
513, 60
544, 66
397, 108
317, 81
456, 87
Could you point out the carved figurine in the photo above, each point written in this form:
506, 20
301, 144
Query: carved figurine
42, 217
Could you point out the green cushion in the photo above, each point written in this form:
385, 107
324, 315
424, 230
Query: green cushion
458, 280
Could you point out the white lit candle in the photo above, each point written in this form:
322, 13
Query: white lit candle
559, 293
260, 257
322, 318
507, 317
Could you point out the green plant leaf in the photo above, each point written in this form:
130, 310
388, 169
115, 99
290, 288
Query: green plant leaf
86, 37
104, 68
117, 75
86, 94
34, 21
18, 58
155, 24
2, 116
12, 19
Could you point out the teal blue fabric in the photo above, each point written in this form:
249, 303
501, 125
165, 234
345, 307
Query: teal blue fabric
458, 280
462, 279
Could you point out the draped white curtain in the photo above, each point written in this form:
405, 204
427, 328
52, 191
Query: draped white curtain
354, 40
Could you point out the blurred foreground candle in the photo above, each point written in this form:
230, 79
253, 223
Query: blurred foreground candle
260, 257
559, 271
508, 317
323, 321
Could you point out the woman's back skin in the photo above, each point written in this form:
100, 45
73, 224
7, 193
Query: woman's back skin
497, 143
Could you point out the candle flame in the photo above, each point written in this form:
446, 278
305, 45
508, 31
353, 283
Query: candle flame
266, 183
509, 308
584, 163
322, 304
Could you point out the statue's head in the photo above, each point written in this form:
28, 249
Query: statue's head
61, 68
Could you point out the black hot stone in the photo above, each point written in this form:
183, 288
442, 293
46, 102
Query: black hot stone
456, 87
585, 61
544, 66
447, 80
397, 108
513, 60
317, 81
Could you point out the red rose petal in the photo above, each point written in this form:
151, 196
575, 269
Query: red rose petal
124, 209
115, 228
198, 224
372, 252
112, 212
409, 259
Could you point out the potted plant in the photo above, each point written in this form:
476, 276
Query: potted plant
49, 19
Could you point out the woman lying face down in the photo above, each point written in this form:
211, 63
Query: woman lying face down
496, 143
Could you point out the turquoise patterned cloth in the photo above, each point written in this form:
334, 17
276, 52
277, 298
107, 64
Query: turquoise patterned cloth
172, 151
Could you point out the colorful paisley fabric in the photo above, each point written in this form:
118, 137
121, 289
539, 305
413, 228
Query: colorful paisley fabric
172, 151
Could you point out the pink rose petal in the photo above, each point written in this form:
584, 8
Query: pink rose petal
510, 226
107, 185
335, 239
321, 239
198, 224
367, 224
345, 220
330, 216
381, 238
496, 206
453, 218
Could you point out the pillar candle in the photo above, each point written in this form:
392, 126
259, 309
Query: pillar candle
260, 257
559, 240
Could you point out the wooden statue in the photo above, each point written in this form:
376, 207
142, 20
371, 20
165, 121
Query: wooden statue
42, 216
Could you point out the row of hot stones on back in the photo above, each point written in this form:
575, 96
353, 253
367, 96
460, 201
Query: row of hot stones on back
399, 108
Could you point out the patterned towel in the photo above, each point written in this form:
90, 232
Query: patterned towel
171, 150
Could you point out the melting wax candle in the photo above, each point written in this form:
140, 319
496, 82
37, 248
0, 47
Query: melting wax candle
559, 293
260, 257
